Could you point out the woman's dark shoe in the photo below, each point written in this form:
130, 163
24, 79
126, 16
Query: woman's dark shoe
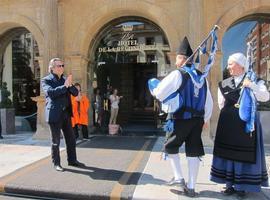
229, 191
241, 194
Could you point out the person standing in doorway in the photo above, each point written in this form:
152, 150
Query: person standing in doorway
58, 111
115, 99
98, 108
80, 106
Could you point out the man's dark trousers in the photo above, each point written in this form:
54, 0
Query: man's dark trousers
64, 124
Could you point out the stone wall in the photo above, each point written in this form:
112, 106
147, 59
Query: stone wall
68, 28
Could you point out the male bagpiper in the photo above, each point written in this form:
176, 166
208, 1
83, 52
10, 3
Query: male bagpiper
188, 120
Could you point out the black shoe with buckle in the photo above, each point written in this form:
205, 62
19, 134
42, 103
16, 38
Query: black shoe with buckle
76, 164
228, 191
58, 168
189, 192
174, 182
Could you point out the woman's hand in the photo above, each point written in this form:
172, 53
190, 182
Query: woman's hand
205, 125
247, 83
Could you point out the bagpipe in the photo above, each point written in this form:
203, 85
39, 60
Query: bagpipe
207, 47
247, 102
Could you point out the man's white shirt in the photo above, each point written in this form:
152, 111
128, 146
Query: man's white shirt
170, 84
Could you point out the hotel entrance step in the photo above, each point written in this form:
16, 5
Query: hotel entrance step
142, 117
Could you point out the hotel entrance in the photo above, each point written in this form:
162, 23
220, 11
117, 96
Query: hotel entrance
130, 51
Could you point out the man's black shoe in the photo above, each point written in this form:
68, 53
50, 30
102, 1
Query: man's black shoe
174, 182
228, 191
76, 164
189, 192
58, 168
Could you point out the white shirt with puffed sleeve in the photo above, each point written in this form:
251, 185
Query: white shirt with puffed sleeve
171, 83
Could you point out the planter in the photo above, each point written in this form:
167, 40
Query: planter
8, 120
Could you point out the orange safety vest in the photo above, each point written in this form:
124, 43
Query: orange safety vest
81, 118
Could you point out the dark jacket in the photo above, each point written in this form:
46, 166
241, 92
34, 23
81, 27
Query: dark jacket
57, 97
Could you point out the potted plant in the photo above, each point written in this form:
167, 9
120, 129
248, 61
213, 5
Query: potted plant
7, 111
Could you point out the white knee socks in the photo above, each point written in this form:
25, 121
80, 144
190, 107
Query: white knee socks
175, 163
193, 169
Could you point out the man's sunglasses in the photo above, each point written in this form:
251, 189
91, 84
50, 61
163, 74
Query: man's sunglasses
60, 65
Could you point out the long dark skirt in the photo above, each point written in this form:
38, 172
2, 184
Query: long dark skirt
243, 176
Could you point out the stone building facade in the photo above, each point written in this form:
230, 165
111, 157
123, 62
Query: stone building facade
69, 29
259, 36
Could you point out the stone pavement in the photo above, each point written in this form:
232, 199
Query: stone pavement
20, 150
153, 187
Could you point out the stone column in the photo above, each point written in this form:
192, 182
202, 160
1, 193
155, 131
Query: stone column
50, 51
172, 57
42, 131
215, 77
77, 66
196, 22
50, 31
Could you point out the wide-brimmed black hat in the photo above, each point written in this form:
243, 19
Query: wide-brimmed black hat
184, 48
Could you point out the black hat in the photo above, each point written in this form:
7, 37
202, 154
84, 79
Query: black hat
184, 48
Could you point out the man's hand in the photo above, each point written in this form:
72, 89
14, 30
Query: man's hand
68, 81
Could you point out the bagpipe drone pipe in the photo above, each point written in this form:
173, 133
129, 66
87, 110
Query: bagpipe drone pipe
247, 102
207, 47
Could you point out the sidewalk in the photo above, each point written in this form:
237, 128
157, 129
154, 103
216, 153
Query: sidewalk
154, 188
20, 150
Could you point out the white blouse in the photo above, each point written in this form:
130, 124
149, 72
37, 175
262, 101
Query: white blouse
114, 101
259, 89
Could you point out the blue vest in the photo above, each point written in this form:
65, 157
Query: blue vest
193, 101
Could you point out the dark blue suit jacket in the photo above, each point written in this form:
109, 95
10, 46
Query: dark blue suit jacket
57, 97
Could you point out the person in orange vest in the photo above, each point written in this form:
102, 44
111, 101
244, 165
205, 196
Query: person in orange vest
80, 106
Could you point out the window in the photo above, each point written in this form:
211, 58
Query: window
150, 41
150, 58
133, 58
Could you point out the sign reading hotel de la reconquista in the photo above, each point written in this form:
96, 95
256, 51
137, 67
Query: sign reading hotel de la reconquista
127, 43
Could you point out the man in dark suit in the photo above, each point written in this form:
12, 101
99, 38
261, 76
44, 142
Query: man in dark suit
58, 112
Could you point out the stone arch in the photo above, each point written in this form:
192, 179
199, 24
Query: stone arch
11, 24
80, 43
239, 11
232, 15
10, 21
236, 13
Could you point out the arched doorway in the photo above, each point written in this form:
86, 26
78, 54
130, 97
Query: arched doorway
253, 28
125, 54
21, 72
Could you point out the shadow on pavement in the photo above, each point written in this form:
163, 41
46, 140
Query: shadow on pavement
113, 175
